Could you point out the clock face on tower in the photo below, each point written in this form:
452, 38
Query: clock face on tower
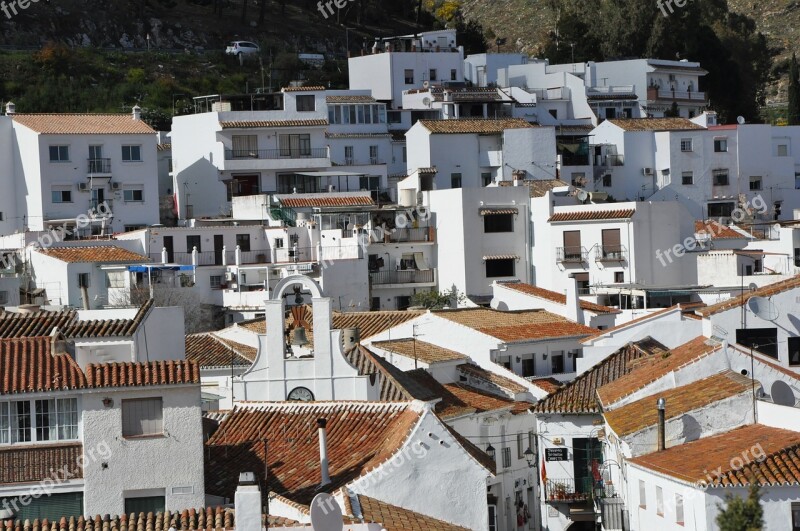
302, 394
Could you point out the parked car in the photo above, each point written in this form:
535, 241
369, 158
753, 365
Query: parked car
242, 48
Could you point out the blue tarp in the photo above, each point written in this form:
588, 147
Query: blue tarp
159, 267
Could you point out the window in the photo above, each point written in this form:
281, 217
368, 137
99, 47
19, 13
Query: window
306, 103
500, 268
115, 279
405, 154
62, 196
554, 113
687, 178
573, 251
720, 177
295, 145
582, 280
720, 145
557, 362
783, 150
192, 242
498, 223
403, 302
244, 146
755, 182
56, 420
520, 446
373, 155
83, 280
486, 178
348, 155
131, 195
619, 277
686, 144
215, 281
455, 180
607, 180
795, 516
453, 75
432, 75
131, 153
493, 518
794, 351
409, 76
279, 243
506, 457
59, 153
764, 340
15, 422
131, 228
611, 247
146, 505
659, 501
243, 242
679, 509
142, 416
528, 367
642, 495
720, 210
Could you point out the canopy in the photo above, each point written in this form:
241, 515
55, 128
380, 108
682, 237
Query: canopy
159, 267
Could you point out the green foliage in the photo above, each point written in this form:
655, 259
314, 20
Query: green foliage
742, 514
673, 111
793, 111
433, 300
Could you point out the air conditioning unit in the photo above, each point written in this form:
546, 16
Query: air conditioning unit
647, 171
229, 276
83, 187
115, 186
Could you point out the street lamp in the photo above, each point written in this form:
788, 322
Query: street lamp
530, 457
490, 451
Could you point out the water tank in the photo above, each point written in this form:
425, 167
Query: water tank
350, 338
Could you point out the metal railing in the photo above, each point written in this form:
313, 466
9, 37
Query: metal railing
407, 276
681, 95
420, 234
99, 165
371, 161
565, 490
572, 254
289, 153
611, 253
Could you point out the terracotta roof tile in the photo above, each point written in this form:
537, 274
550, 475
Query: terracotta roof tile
592, 215
84, 124
32, 463
537, 187
716, 230
638, 320
641, 414
98, 253
549, 384
656, 124
209, 350
361, 436
164, 147
474, 126
309, 88
460, 399
396, 385
556, 297
327, 200
395, 518
765, 291
654, 368
692, 461
425, 352
142, 374
580, 395
503, 384
516, 326
357, 135
256, 124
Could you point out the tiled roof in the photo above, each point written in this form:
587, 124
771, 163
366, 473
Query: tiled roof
427, 171
716, 230
641, 414
655, 124
352, 98
32, 463
254, 124
470, 370
537, 187
163, 147
638, 320
653, 368
460, 399
548, 383
108, 327
309, 88
361, 436
425, 352
395, 518
328, 200
396, 385
84, 124
556, 297
474, 126
592, 215
209, 350
514, 326
580, 395
96, 253
692, 461
357, 135
765, 291
142, 374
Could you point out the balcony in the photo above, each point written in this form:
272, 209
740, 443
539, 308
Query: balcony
244, 299
371, 161
565, 491
418, 235
266, 159
654, 94
576, 255
98, 166
611, 253
403, 277
270, 154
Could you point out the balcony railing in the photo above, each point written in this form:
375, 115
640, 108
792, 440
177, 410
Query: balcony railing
565, 490
680, 95
572, 254
408, 235
371, 161
99, 165
102, 208
408, 276
292, 153
611, 253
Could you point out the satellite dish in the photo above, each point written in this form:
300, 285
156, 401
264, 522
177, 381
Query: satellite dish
326, 515
763, 307
426, 101
741, 120
753, 286
582, 195
782, 394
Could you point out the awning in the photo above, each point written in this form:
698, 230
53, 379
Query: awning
501, 257
420, 262
498, 211
159, 267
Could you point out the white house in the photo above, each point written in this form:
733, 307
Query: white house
85, 434
99, 166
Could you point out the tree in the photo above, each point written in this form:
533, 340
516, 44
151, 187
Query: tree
433, 300
793, 112
742, 514
673, 111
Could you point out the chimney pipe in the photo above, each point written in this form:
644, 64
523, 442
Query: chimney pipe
661, 405
85, 297
323, 452
137, 112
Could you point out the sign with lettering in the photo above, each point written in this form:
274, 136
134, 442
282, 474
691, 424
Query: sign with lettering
556, 454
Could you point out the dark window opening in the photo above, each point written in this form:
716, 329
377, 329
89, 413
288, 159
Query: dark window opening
500, 268
498, 223
764, 340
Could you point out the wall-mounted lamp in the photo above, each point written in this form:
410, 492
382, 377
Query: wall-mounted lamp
530, 457
490, 451
108, 402
519, 359
544, 356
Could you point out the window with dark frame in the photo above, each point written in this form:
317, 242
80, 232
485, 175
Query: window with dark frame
59, 153
243, 241
795, 516
687, 178
794, 351
506, 457
455, 180
720, 145
493, 223
131, 153
500, 268
720, 177
408, 74
764, 340
306, 103
193, 242
720, 210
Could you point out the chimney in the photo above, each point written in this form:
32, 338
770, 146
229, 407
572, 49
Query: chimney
248, 503
350, 338
661, 405
11, 108
323, 452
137, 112
574, 311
